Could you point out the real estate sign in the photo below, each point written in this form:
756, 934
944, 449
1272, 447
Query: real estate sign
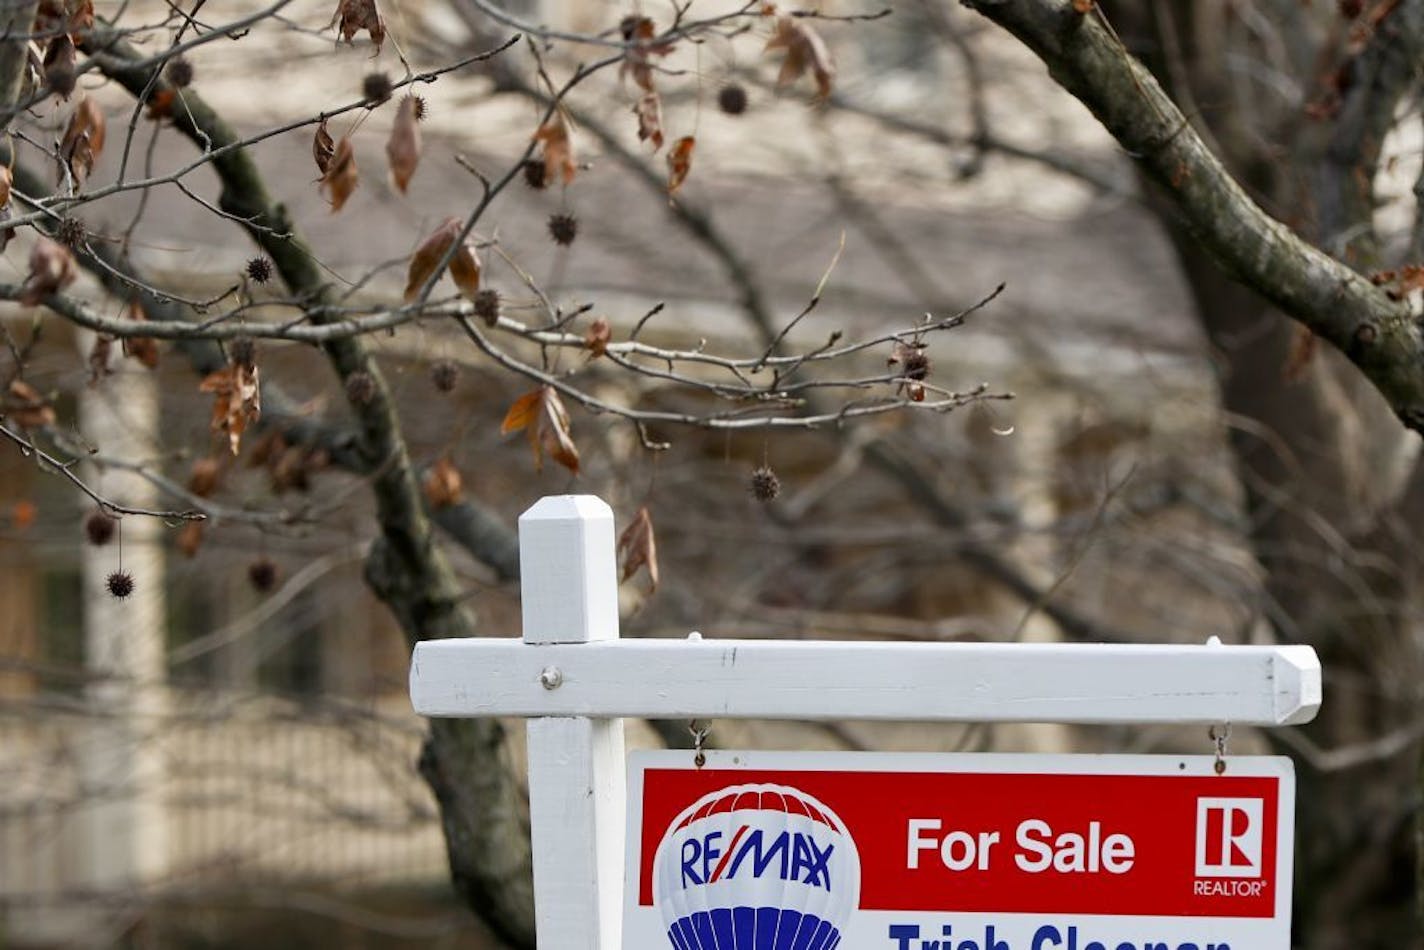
810, 851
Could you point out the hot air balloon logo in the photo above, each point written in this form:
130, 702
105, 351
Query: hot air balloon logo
756, 867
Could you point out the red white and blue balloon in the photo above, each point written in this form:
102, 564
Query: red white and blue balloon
756, 867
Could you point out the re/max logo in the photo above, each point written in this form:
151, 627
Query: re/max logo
791, 855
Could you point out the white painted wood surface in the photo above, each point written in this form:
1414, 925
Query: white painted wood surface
984, 682
577, 769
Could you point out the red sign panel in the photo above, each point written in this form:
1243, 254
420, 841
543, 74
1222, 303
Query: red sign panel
1037, 844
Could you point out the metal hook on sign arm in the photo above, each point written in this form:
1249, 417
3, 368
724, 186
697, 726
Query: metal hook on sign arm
1222, 734
699, 732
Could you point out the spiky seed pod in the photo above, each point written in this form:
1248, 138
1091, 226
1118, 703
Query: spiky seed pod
243, 351
262, 574
120, 584
764, 484
180, 71
360, 387
422, 109
917, 365
487, 306
563, 228
99, 528
444, 374
70, 231
259, 270
732, 99
535, 175
376, 88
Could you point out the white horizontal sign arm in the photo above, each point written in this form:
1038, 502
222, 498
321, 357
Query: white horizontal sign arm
985, 682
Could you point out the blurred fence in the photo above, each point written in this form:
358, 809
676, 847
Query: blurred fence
244, 788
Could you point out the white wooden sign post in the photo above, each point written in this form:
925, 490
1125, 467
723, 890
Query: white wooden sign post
575, 680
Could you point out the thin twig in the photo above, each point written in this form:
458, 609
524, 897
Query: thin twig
775, 343
66, 469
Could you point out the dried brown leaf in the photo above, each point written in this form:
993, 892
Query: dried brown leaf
637, 548
6, 179
266, 449
558, 150
353, 16
596, 339
99, 358
160, 103
554, 434
203, 477
142, 348
1400, 283
60, 60
428, 256
541, 414
73, 16
341, 176
679, 161
804, 50
26, 407
88, 119
51, 270
23, 514
323, 148
464, 265
639, 31
49, 15
190, 538
237, 400
443, 485
81, 15
522, 413
1303, 347
465, 270
289, 469
403, 147
83, 140
650, 119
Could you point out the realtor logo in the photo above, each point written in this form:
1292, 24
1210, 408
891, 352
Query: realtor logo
1229, 837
